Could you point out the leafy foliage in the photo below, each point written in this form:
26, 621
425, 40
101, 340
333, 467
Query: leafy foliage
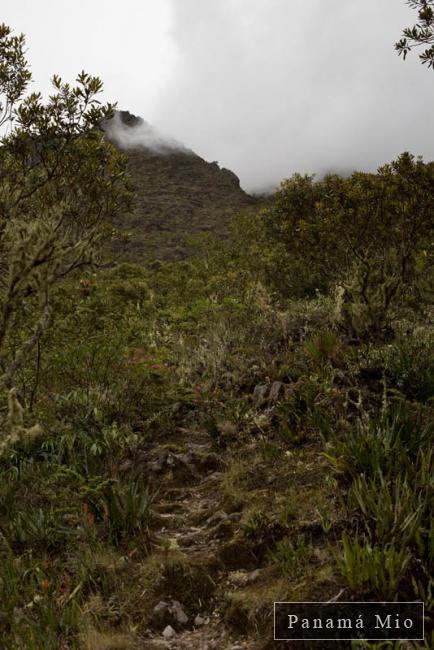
270, 342
59, 181
370, 234
14, 73
421, 34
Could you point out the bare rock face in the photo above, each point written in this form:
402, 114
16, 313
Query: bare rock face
178, 193
129, 119
131, 133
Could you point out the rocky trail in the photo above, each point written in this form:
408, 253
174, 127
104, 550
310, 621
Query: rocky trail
193, 523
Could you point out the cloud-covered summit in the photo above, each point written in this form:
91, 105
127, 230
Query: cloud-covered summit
266, 87
127, 131
270, 87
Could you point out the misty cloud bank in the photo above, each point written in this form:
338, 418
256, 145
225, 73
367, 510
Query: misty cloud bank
130, 132
269, 87
266, 87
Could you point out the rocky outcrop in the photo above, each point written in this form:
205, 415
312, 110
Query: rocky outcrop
178, 193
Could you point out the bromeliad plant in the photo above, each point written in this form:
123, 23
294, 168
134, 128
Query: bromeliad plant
390, 468
127, 508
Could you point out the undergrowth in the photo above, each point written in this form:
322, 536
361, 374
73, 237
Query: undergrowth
132, 357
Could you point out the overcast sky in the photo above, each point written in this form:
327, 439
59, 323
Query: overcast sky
265, 87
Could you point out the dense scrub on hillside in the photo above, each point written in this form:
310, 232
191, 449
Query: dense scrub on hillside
323, 423
183, 443
177, 195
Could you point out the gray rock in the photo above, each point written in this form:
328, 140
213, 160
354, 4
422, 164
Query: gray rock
275, 391
162, 615
190, 538
161, 607
178, 613
340, 378
169, 632
288, 390
199, 621
253, 576
260, 394
220, 515
214, 477
156, 464
182, 464
170, 460
166, 615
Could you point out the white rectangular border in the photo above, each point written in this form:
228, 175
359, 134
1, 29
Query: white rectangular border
348, 602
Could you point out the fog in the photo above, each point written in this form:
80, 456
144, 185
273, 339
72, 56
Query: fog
269, 87
129, 133
265, 87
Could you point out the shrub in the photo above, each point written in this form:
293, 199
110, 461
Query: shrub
407, 364
59, 181
390, 467
324, 347
370, 233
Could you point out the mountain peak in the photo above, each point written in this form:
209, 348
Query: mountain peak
128, 131
178, 193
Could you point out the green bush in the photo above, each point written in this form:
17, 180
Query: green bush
407, 365
40, 529
371, 234
389, 465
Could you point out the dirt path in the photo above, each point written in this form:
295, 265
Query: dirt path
193, 523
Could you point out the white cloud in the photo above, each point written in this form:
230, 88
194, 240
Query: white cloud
125, 43
267, 87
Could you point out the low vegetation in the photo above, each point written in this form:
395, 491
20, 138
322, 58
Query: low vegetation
254, 423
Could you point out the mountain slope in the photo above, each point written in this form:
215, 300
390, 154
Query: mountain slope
178, 193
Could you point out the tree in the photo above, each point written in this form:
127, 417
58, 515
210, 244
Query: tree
59, 181
421, 34
370, 234
14, 73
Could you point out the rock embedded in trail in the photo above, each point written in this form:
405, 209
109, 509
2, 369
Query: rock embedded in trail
204, 555
275, 390
169, 632
260, 394
178, 613
167, 615
217, 517
161, 615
